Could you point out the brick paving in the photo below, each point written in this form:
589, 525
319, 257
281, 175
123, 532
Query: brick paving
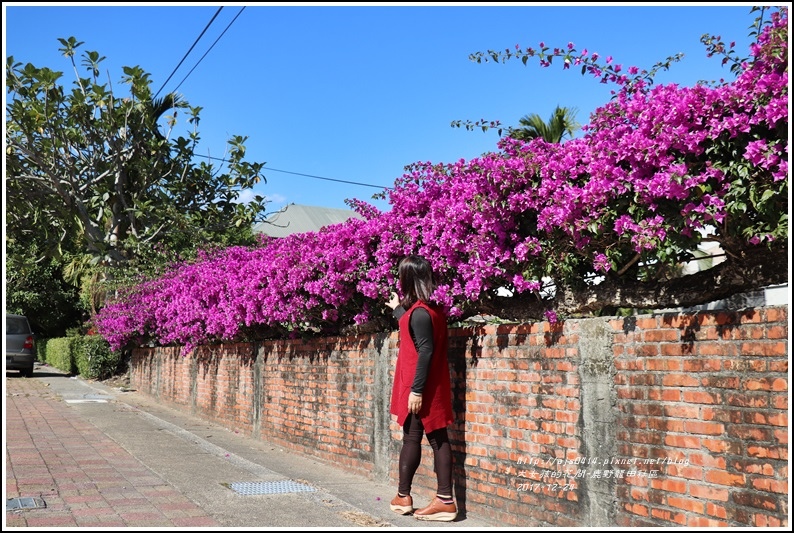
85, 478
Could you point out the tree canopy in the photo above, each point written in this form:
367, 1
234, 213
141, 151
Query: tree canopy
562, 122
89, 164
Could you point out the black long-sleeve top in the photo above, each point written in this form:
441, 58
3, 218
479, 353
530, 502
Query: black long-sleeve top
421, 328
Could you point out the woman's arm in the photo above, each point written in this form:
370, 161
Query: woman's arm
422, 334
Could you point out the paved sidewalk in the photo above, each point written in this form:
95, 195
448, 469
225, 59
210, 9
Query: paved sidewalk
81, 454
84, 478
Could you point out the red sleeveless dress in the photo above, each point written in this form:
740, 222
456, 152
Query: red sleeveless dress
436, 411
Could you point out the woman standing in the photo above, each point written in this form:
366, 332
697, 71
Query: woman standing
422, 393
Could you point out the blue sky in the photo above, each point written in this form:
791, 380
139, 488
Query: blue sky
354, 93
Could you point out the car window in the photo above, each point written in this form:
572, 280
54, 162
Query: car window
17, 326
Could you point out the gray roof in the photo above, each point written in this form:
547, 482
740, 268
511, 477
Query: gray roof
301, 219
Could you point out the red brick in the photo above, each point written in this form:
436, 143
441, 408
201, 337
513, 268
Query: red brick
647, 350
666, 424
702, 521
720, 414
712, 349
630, 393
687, 504
703, 428
659, 364
680, 380
772, 348
767, 521
725, 478
669, 516
770, 485
751, 433
644, 324
676, 349
684, 321
720, 382
636, 508
777, 332
682, 411
753, 332
717, 511
639, 494
777, 314
689, 472
646, 409
771, 418
638, 380
708, 493
682, 441
691, 396
764, 384
745, 366
660, 335
701, 365
747, 399
669, 485
756, 499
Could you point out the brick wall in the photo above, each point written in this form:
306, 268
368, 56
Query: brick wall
653, 420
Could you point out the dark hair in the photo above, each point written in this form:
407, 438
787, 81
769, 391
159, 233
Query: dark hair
416, 280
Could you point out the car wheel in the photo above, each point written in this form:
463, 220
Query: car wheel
28, 372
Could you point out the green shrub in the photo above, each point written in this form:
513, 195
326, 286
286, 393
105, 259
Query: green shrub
59, 354
87, 355
94, 358
73, 332
41, 350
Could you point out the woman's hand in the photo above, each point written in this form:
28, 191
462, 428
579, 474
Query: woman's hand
414, 403
394, 301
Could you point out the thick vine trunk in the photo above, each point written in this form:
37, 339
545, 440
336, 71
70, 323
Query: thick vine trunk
752, 270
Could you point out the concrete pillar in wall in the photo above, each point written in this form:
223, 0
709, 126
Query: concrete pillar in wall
599, 443
258, 392
381, 439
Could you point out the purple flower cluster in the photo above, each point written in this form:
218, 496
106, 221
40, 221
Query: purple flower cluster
656, 165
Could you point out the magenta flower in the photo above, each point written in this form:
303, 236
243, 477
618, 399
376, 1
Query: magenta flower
601, 263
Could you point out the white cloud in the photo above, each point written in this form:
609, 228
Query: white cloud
276, 199
246, 196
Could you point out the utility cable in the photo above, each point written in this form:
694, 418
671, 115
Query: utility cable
208, 51
326, 179
305, 175
197, 64
188, 52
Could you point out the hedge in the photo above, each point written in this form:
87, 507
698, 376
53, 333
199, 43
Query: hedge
89, 356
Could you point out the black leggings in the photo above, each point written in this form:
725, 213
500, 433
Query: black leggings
411, 455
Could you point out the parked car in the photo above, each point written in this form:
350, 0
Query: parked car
20, 345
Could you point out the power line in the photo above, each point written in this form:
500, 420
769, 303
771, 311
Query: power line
208, 51
191, 49
197, 64
306, 175
327, 179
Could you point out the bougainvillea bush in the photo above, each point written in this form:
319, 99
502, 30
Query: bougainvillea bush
599, 222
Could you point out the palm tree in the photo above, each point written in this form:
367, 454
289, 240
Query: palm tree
561, 123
